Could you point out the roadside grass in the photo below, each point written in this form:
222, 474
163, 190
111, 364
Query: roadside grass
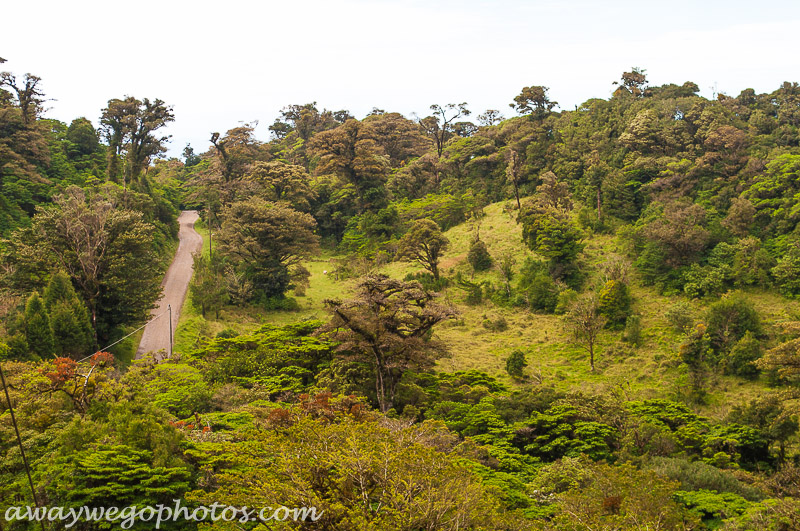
192, 326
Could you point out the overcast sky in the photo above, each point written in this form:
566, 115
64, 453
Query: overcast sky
225, 62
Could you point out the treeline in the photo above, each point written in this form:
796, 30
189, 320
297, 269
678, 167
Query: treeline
77, 203
702, 189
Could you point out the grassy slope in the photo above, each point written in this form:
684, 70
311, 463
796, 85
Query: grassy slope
192, 325
647, 371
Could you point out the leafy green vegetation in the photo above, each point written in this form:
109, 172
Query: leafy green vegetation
582, 319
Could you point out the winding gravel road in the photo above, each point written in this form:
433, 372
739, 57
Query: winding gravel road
175, 286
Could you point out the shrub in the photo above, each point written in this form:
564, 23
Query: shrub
696, 475
543, 293
729, 319
751, 264
787, 272
474, 295
680, 317
615, 302
479, 257
286, 304
741, 357
633, 330
515, 363
69, 318
539, 287
496, 325
565, 301
705, 280
427, 281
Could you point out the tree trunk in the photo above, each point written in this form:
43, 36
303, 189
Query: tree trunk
591, 355
380, 385
599, 213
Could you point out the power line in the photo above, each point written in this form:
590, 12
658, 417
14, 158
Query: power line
104, 349
19, 442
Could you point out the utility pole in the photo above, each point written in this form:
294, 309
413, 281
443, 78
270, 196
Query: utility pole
210, 232
169, 307
19, 441
210, 238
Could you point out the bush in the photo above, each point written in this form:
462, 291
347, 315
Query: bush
539, 287
543, 293
479, 257
427, 281
787, 272
741, 357
69, 318
615, 302
496, 325
705, 280
696, 475
751, 264
515, 363
565, 301
729, 319
474, 295
633, 330
680, 317
286, 304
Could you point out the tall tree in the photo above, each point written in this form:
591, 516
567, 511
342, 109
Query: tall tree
533, 101
37, 327
281, 182
130, 127
306, 120
440, 125
236, 151
351, 153
489, 118
106, 250
633, 83
425, 243
388, 325
513, 171
401, 139
82, 135
29, 96
263, 239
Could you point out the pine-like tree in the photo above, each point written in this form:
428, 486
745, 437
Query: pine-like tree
69, 318
37, 327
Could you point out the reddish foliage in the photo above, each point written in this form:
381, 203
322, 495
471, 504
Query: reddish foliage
102, 358
65, 370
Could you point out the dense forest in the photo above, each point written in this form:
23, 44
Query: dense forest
563, 320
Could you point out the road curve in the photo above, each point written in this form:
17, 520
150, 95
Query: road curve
175, 286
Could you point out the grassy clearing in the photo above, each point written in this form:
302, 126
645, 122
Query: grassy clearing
650, 370
192, 325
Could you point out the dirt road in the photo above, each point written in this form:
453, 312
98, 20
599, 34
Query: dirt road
175, 285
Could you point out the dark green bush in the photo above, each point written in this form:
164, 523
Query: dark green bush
741, 357
479, 257
515, 363
729, 319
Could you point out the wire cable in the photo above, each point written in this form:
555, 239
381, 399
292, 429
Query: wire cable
105, 349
